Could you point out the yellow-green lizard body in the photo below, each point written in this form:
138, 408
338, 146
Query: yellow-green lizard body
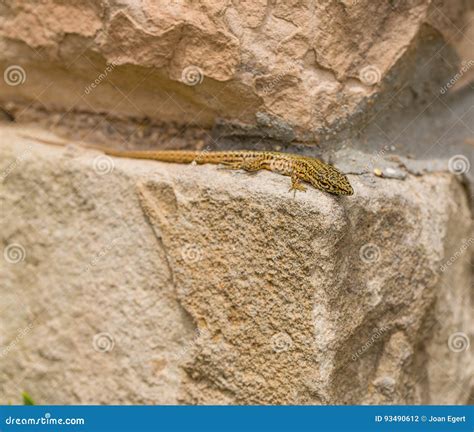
300, 168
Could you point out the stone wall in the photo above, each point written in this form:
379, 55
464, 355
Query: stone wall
300, 70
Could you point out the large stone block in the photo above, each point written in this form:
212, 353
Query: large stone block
300, 70
128, 281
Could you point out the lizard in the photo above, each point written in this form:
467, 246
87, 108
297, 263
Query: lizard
300, 169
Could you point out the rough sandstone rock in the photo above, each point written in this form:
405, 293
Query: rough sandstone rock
145, 282
306, 70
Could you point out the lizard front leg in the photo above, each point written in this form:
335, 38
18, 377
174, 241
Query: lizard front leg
296, 184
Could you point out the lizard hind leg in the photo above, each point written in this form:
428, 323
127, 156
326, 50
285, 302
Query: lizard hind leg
249, 165
252, 165
230, 165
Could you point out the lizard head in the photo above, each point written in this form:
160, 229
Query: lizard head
329, 179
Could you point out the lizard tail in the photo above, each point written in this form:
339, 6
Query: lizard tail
176, 156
